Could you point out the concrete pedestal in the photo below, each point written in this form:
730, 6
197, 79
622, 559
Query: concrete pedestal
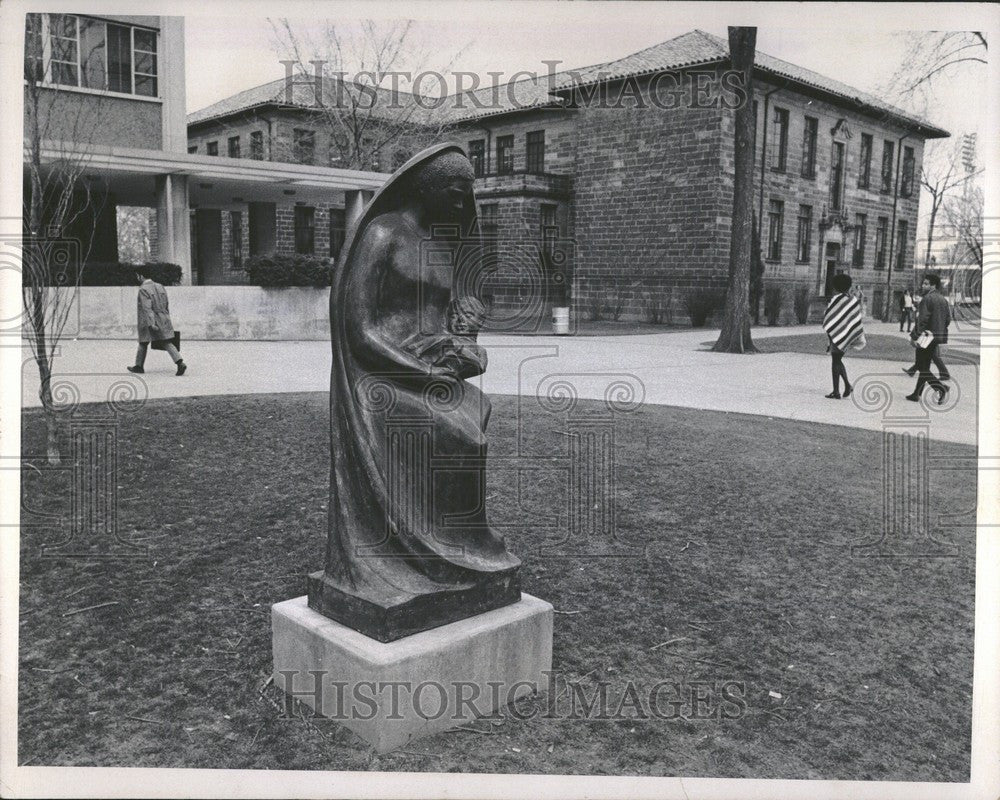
430, 682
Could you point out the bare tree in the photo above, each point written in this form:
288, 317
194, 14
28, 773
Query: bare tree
372, 120
735, 334
59, 203
931, 55
941, 174
964, 218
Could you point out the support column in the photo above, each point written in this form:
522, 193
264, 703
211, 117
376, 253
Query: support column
354, 205
173, 224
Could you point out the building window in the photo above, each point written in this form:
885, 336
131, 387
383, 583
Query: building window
887, 155
901, 244
906, 186
144, 48
65, 49
803, 244
881, 233
234, 146
809, 147
489, 229
257, 145
535, 153
193, 148
860, 232
305, 230
775, 214
34, 59
236, 239
91, 53
549, 227
779, 143
865, 162
212, 148
505, 155
303, 146
477, 155
837, 176
338, 229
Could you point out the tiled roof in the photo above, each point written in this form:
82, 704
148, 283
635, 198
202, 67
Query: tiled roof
303, 96
689, 49
698, 47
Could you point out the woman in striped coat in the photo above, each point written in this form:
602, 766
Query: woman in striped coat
842, 323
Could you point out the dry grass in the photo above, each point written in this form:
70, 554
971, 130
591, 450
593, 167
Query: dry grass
739, 530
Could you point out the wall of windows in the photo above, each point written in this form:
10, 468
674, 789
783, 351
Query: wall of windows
89, 53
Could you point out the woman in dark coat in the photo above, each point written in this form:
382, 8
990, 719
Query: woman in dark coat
154, 325
409, 546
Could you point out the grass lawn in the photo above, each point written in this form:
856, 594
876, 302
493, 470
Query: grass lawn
740, 530
880, 347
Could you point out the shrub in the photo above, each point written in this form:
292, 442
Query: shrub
701, 303
774, 295
294, 269
801, 303
116, 273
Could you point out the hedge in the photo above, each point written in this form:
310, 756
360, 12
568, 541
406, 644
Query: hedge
115, 273
280, 270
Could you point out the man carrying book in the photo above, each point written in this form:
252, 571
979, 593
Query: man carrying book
930, 332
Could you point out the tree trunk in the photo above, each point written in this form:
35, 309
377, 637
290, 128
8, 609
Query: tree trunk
735, 335
930, 235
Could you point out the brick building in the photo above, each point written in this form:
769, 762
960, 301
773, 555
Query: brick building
615, 181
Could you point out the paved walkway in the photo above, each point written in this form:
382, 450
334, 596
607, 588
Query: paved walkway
664, 369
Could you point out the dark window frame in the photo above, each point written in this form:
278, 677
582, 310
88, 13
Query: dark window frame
810, 133
860, 234
779, 145
304, 225
803, 238
881, 235
233, 147
909, 165
257, 145
888, 157
304, 146
775, 229
236, 240
505, 155
865, 161
212, 148
338, 231
477, 156
838, 168
534, 148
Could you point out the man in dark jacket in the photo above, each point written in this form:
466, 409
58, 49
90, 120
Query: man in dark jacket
154, 325
934, 316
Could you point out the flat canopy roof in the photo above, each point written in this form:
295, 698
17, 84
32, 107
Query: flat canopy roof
213, 181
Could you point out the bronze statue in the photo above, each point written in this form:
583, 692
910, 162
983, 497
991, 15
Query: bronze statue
409, 547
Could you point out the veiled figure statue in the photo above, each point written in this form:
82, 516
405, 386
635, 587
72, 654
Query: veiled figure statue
409, 546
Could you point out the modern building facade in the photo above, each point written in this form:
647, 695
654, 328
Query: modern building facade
108, 93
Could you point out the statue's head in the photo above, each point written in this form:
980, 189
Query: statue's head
466, 315
444, 186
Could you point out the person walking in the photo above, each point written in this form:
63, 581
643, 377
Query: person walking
154, 324
930, 331
906, 310
843, 325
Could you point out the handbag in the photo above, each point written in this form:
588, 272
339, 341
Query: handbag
161, 344
924, 340
860, 343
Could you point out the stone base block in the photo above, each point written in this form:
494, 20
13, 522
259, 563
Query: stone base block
430, 682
